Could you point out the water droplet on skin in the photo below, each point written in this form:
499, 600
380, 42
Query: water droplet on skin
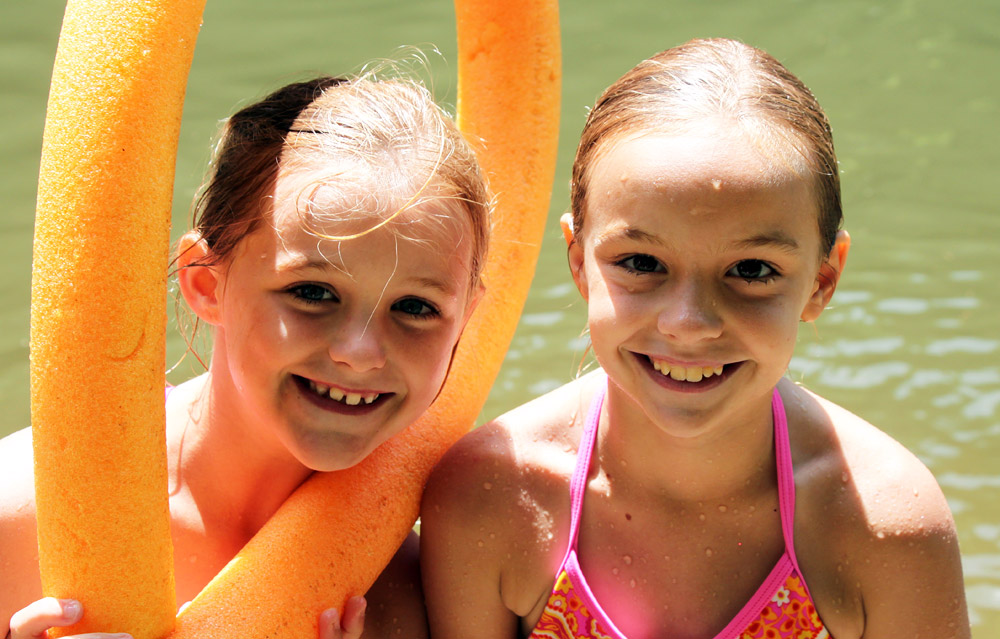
717, 184
701, 517
487, 486
493, 535
880, 535
708, 552
627, 559
844, 477
753, 508
480, 543
722, 509
614, 571
631, 583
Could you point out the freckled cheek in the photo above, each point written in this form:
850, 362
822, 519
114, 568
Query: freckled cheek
610, 304
775, 322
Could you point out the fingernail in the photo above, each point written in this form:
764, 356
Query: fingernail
70, 608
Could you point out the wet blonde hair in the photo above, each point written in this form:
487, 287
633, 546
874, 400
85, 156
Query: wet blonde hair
402, 148
703, 79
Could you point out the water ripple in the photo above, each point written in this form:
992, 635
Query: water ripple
863, 376
903, 306
975, 345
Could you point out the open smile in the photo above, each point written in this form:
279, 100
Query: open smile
688, 379
339, 400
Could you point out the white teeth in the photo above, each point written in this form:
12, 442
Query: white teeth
684, 373
351, 399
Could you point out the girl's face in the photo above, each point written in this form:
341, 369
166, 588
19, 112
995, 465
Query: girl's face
698, 258
335, 346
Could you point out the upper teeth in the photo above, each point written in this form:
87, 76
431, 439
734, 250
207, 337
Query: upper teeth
351, 399
686, 373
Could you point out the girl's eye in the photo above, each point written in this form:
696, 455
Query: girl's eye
415, 307
642, 264
753, 271
312, 293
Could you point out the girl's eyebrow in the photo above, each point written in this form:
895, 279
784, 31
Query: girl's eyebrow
303, 263
772, 239
632, 234
442, 286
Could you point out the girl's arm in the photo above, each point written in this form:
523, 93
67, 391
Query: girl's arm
20, 583
874, 534
464, 538
396, 602
911, 577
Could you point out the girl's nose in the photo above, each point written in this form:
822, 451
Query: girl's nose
689, 313
358, 344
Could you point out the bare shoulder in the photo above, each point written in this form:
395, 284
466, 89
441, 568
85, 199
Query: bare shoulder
873, 530
522, 451
861, 470
499, 502
20, 584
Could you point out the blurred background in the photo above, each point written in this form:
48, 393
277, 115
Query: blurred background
911, 342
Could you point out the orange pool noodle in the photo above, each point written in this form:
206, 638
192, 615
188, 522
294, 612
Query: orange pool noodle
332, 538
98, 310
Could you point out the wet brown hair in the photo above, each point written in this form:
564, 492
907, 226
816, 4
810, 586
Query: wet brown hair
407, 148
703, 79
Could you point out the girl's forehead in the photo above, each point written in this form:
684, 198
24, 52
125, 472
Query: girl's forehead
716, 154
653, 182
348, 199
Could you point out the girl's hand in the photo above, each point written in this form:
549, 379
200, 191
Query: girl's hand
33, 620
333, 626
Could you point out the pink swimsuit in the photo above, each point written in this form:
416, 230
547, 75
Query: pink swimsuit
780, 609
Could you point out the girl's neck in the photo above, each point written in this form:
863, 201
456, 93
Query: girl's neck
726, 462
233, 471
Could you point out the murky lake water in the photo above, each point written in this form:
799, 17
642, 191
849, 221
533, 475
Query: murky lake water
912, 340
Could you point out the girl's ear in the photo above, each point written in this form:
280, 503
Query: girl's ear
566, 224
575, 254
828, 277
200, 284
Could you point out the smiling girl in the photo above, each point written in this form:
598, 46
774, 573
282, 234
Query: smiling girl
336, 254
688, 489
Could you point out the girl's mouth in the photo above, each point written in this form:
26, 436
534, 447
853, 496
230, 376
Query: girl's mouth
688, 378
692, 374
331, 396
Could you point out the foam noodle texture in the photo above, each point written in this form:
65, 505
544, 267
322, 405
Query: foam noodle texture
98, 310
333, 537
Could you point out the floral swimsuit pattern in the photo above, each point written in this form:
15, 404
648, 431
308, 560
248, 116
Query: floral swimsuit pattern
780, 609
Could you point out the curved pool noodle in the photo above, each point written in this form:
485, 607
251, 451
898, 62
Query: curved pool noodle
335, 534
98, 309
333, 537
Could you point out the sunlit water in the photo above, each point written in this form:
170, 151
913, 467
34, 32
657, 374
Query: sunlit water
911, 342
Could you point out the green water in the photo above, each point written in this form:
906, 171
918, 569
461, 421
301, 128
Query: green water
911, 342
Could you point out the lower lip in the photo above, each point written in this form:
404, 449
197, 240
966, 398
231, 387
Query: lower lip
333, 406
706, 384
